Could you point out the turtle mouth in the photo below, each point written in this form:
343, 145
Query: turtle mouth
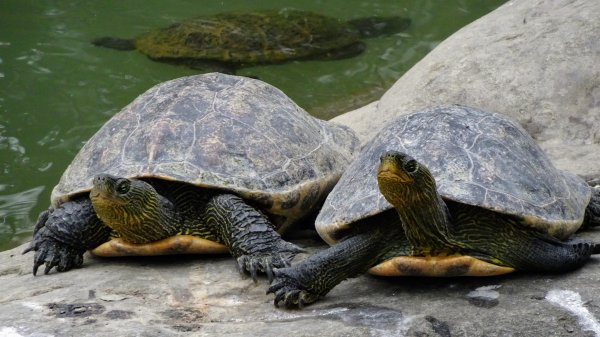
103, 190
94, 193
396, 167
390, 171
99, 194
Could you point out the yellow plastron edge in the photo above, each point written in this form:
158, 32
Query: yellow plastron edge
438, 266
178, 244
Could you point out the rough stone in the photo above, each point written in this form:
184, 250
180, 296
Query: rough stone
206, 296
535, 61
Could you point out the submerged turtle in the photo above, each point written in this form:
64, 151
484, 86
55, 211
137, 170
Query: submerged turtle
230, 40
201, 164
446, 191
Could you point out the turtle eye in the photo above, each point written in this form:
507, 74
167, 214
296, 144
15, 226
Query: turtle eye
123, 186
411, 166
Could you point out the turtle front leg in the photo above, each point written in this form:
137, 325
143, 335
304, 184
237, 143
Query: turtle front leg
63, 234
314, 277
250, 237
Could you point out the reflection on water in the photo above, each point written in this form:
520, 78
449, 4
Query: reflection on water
57, 89
14, 210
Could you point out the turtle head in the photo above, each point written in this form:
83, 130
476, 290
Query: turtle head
402, 179
128, 206
121, 192
410, 188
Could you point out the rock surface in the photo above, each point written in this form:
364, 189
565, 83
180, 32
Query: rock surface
535, 61
206, 296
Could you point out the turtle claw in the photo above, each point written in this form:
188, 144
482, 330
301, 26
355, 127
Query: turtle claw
53, 253
247, 264
265, 262
269, 272
259, 264
289, 291
49, 266
253, 272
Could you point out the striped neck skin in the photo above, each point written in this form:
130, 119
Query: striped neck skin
132, 208
411, 189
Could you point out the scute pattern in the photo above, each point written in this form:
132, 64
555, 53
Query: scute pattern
220, 131
478, 158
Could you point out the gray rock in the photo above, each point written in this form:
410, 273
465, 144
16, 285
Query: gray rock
206, 296
535, 61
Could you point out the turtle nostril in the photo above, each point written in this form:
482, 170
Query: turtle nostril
99, 179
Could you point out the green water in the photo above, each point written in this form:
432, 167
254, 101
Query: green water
56, 89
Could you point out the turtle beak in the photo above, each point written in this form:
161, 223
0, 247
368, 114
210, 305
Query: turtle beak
391, 166
102, 184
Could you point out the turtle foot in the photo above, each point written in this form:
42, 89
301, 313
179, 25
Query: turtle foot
265, 262
53, 253
62, 235
289, 290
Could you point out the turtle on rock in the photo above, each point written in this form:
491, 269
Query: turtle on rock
201, 164
228, 41
446, 191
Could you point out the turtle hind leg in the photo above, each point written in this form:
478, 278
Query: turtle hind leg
114, 43
250, 237
570, 255
592, 212
63, 234
535, 252
504, 240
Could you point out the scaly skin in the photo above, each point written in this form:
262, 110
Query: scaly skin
250, 237
592, 212
429, 227
134, 210
314, 277
63, 234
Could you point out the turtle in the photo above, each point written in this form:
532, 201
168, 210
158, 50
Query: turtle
231, 40
210, 163
446, 191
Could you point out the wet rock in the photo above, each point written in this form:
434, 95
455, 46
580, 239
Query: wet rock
535, 61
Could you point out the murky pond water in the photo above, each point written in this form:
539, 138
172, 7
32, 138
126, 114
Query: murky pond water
56, 89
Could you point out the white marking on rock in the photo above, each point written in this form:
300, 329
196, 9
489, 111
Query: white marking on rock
33, 305
571, 301
7, 331
486, 292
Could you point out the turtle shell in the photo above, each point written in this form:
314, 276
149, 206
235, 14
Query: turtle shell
219, 131
249, 37
477, 158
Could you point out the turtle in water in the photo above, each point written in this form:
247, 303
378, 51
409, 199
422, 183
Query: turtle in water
446, 191
201, 164
227, 41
